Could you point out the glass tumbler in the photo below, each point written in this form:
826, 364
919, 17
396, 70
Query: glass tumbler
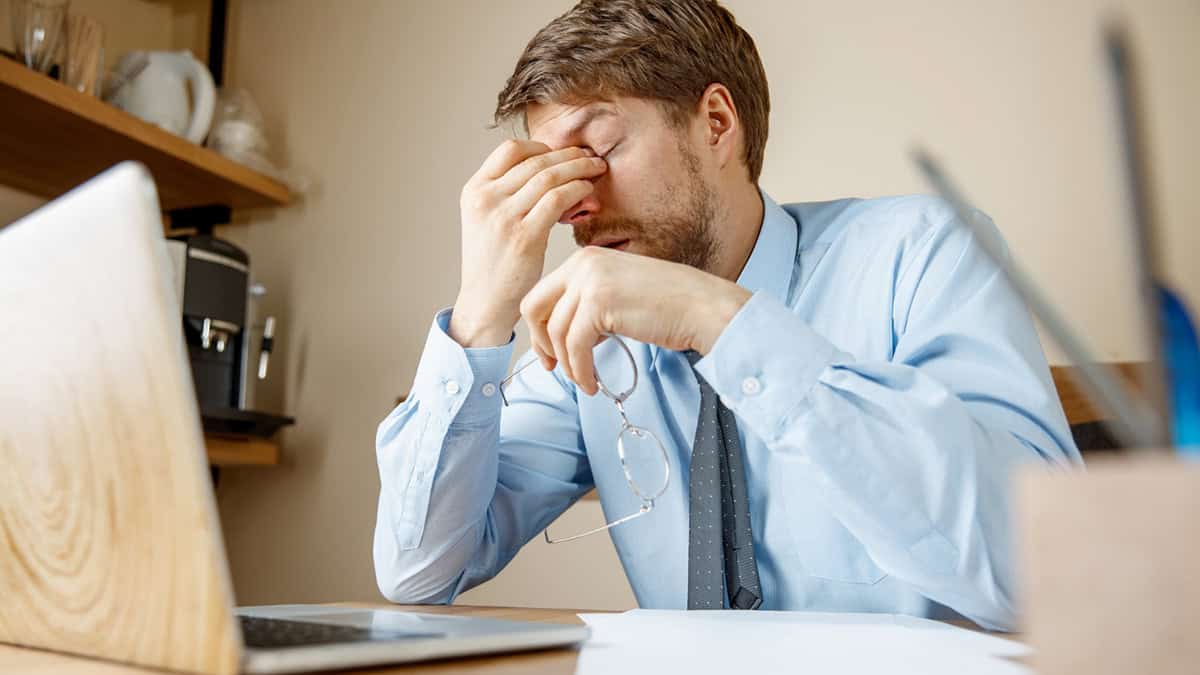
39, 28
84, 67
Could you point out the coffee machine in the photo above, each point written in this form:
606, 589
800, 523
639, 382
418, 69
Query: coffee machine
212, 283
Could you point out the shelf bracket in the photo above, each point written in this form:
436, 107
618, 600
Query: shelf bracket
202, 218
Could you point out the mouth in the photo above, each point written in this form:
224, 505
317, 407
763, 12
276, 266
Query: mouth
615, 243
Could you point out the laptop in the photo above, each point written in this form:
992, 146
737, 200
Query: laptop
110, 546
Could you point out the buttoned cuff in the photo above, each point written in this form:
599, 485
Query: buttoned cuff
464, 383
765, 363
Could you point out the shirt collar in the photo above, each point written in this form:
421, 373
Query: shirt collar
772, 261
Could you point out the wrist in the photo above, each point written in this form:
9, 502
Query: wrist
714, 310
473, 329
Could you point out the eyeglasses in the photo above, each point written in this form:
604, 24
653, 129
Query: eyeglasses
637, 447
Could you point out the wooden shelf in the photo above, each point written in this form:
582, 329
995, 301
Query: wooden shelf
52, 138
241, 451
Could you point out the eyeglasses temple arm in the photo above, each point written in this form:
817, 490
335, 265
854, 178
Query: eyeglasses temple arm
645, 508
516, 371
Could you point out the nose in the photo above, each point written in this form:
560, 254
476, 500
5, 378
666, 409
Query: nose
581, 212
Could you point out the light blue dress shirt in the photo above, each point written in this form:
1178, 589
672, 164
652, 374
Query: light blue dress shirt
886, 382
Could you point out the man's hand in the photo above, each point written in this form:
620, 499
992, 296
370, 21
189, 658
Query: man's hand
599, 291
508, 208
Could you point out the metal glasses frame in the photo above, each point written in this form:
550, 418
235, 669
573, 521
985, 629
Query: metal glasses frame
647, 497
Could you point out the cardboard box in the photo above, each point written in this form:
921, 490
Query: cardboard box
1110, 567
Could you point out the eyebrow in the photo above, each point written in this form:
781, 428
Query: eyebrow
590, 116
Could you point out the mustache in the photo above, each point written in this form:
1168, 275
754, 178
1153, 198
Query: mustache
626, 227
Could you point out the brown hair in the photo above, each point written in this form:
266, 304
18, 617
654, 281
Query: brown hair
666, 50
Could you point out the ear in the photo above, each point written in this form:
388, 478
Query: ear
721, 124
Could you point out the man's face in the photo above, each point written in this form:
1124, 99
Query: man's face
654, 199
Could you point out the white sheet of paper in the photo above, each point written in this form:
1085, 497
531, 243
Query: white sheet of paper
726, 642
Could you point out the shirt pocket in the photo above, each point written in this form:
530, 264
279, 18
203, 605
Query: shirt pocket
826, 549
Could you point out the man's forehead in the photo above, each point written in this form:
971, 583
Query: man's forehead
559, 122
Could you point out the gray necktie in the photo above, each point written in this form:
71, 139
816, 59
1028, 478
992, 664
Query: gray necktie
720, 546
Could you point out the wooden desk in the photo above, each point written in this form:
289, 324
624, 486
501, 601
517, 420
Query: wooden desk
546, 662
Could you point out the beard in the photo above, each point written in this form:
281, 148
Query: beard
678, 229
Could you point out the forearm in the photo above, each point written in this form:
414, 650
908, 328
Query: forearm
923, 486
437, 456
917, 474
466, 482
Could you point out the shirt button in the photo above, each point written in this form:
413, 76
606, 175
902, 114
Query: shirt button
452, 387
751, 386
488, 389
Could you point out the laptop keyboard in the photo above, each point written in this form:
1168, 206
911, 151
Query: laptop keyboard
261, 633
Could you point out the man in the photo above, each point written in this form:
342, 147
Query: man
860, 361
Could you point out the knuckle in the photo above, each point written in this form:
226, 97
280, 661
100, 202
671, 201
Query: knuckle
578, 188
590, 259
557, 324
476, 200
549, 178
500, 219
572, 191
556, 200
509, 148
600, 293
539, 163
563, 196
577, 341
525, 239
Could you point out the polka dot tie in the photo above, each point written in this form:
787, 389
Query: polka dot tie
720, 545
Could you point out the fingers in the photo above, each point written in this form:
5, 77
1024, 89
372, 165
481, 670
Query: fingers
536, 307
507, 155
542, 217
548, 361
516, 177
580, 339
575, 170
566, 338
539, 339
556, 330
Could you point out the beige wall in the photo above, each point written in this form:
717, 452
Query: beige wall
386, 104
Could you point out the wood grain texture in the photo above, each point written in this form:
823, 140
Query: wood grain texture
239, 451
109, 540
559, 661
53, 138
1075, 402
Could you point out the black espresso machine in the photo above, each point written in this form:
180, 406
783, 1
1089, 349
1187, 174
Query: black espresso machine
212, 283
